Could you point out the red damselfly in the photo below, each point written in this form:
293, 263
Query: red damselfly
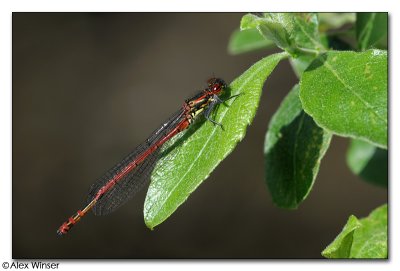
121, 182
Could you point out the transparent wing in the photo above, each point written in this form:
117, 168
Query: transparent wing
131, 183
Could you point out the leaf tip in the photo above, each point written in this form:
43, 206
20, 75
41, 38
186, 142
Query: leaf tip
149, 224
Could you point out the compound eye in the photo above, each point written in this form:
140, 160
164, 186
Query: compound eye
216, 88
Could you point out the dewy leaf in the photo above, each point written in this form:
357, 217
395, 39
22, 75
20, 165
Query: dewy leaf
365, 238
296, 33
294, 147
369, 162
371, 27
370, 240
246, 41
340, 248
346, 93
189, 159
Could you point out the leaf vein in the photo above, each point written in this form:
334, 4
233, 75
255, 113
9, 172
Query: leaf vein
341, 80
214, 129
315, 42
294, 157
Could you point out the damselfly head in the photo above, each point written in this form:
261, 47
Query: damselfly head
216, 85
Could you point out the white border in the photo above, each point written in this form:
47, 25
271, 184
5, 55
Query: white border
197, 6
8, 6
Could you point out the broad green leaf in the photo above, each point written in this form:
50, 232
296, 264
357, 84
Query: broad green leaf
294, 147
371, 27
189, 158
340, 248
296, 33
370, 240
365, 238
246, 41
369, 162
346, 93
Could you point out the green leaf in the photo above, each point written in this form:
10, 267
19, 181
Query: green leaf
246, 41
346, 93
371, 27
190, 157
271, 28
369, 162
341, 247
300, 64
305, 31
294, 147
296, 33
370, 240
365, 238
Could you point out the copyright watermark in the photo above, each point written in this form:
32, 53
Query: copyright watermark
30, 265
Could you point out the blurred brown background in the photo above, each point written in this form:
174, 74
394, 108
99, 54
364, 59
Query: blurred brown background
89, 87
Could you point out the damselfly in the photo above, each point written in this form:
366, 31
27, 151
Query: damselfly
121, 182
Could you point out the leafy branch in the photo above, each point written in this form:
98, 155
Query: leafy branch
341, 92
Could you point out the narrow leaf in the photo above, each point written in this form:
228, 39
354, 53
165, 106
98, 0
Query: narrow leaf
369, 162
246, 41
294, 147
371, 27
346, 93
190, 158
340, 248
365, 238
